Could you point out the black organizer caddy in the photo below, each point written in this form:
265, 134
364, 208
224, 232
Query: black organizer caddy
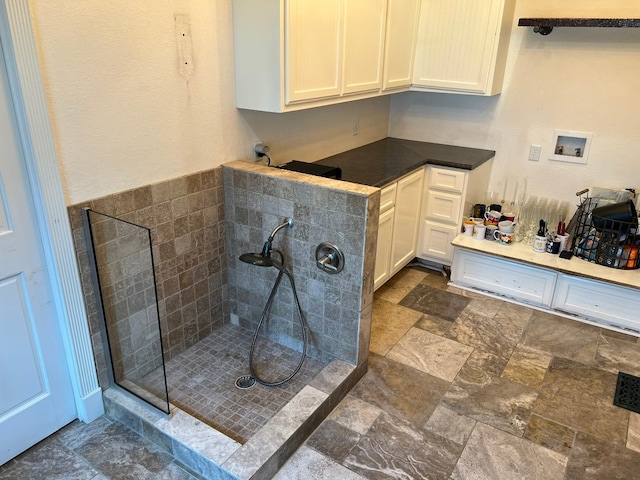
612, 243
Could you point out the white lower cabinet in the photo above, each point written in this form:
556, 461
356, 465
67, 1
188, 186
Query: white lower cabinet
598, 300
382, 271
435, 241
578, 297
448, 194
522, 282
399, 224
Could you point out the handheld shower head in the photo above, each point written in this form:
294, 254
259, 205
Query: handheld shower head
263, 259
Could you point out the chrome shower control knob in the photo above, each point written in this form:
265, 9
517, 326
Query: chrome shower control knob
329, 258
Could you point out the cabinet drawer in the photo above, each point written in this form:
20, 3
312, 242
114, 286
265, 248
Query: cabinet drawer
599, 301
388, 197
515, 280
446, 179
435, 241
443, 207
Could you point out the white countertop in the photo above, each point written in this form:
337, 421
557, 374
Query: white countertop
575, 266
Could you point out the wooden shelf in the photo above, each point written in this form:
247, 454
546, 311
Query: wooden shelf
544, 26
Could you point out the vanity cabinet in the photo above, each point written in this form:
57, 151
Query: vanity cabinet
296, 54
462, 46
400, 207
449, 194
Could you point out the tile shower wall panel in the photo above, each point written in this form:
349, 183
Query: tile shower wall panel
337, 307
186, 218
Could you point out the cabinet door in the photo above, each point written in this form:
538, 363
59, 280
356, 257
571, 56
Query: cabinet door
456, 42
444, 207
364, 24
312, 49
521, 282
406, 223
599, 301
400, 42
382, 270
435, 241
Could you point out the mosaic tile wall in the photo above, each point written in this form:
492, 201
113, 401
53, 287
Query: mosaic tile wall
337, 307
186, 218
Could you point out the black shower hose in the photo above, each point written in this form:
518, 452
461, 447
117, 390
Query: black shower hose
282, 270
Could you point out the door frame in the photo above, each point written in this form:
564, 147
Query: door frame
38, 148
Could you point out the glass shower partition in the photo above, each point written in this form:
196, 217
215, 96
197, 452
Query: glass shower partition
124, 282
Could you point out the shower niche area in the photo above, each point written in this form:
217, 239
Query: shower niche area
173, 310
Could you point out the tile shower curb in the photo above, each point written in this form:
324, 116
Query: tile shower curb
214, 455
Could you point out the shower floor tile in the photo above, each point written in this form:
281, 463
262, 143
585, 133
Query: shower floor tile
202, 381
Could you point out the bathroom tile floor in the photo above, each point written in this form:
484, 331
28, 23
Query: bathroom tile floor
463, 386
202, 381
460, 386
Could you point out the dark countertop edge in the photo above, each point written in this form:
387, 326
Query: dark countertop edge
481, 155
418, 154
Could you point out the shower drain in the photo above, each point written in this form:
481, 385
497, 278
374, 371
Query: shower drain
245, 381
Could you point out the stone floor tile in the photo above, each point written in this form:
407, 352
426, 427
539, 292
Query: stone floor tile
49, 459
633, 434
615, 355
119, 453
307, 464
550, 434
581, 397
484, 306
435, 325
451, 425
492, 400
400, 284
596, 459
619, 335
389, 323
527, 366
400, 390
435, 301
394, 449
355, 414
498, 335
431, 354
492, 454
487, 362
562, 337
333, 440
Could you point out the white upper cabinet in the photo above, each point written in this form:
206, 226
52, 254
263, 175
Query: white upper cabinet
400, 43
294, 54
312, 49
364, 34
462, 45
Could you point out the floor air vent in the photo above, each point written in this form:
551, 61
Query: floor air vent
627, 392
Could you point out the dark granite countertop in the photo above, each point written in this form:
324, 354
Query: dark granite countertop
386, 160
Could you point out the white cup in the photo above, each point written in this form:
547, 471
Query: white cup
540, 244
468, 228
479, 231
507, 226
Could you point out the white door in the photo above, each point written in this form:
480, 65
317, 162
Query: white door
36, 396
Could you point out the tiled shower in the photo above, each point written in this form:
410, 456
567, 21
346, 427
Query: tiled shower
201, 223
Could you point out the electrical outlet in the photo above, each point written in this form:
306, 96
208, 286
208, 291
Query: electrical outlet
260, 150
355, 126
534, 152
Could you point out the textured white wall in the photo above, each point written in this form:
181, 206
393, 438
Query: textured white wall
124, 116
573, 79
